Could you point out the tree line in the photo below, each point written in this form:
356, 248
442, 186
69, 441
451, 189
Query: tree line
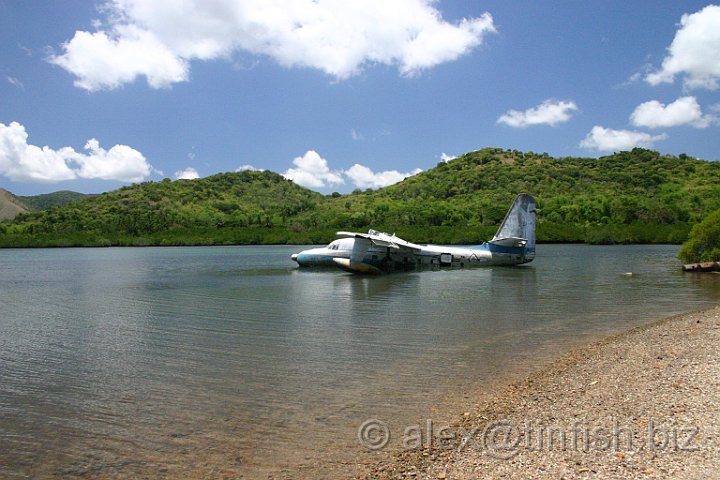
639, 196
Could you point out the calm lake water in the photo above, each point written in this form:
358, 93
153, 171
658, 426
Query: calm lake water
229, 361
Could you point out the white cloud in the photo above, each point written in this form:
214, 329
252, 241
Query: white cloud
355, 135
362, 177
694, 52
550, 112
188, 173
683, 111
22, 162
313, 172
120, 163
15, 82
27, 51
159, 39
444, 157
635, 77
102, 61
606, 139
243, 168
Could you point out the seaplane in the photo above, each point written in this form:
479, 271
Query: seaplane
378, 252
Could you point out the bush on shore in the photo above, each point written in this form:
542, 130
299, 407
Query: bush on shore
703, 245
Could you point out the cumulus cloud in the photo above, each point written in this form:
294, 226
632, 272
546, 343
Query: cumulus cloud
106, 61
119, 163
363, 177
550, 112
694, 52
23, 162
683, 111
243, 168
444, 157
188, 173
312, 171
606, 139
158, 40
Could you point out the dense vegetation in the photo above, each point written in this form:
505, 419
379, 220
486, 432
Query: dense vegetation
704, 242
630, 197
49, 200
242, 207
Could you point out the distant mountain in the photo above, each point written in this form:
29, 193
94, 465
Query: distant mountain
10, 206
629, 197
13, 205
47, 200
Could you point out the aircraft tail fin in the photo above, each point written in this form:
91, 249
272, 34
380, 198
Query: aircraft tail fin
518, 228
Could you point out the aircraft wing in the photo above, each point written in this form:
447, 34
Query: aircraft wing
382, 239
509, 242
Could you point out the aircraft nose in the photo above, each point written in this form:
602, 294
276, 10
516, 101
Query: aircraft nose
294, 257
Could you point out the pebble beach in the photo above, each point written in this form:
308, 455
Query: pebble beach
644, 403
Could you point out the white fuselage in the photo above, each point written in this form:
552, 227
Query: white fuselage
383, 259
379, 252
324, 256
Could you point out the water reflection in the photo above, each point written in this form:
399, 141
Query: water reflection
178, 361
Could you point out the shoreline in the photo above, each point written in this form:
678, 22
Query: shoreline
642, 403
293, 244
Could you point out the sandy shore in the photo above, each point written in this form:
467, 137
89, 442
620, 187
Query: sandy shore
641, 404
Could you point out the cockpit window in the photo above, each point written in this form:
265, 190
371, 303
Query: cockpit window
342, 244
346, 243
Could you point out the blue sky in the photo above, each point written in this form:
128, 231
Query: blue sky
343, 95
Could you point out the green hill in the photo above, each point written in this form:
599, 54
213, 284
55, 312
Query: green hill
48, 200
229, 208
629, 197
14, 205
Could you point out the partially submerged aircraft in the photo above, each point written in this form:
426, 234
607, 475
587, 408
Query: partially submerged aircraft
378, 252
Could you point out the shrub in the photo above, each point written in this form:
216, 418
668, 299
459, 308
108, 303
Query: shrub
703, 245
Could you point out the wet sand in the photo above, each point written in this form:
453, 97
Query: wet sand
641, 404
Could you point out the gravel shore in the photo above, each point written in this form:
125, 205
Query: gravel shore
641, 404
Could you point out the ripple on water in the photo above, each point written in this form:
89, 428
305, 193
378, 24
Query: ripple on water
176, 361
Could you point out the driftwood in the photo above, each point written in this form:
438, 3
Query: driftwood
702, 267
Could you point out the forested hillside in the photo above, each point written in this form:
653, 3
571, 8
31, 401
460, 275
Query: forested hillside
14, 205
638, 196
48, 200
241, 207
629, 197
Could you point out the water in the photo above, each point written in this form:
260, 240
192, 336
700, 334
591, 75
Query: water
228, 361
